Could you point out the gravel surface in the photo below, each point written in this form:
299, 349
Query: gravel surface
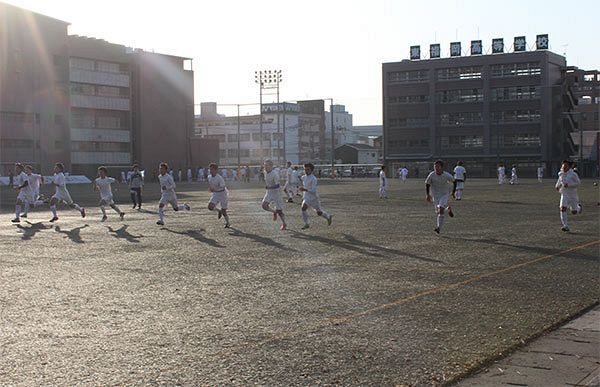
375, 299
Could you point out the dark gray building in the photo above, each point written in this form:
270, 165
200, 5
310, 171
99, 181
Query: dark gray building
482, 109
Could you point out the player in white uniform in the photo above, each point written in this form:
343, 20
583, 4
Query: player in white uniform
200, 174
35, 180
501, 174
295, 181
218, 193
62, 194
404, 174
382, 184
514, 179
103, 184
460, 176
273, 194
436, 186
540, 173
567, 184
310, 196
189, 175
23, 187
167, 189
287, 188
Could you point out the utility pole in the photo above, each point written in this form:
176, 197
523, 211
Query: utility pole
238, 137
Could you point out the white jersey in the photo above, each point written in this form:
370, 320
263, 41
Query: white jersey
310, 196
35, 181
382, 179
440, 184
295, 177
571, 179
167, 184
216, 183
26, 192
540, 172
513, 172
272, 179
501, 171
289, 175
459, 172
60, 183
104, 186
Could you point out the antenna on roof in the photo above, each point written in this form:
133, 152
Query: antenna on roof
564, 46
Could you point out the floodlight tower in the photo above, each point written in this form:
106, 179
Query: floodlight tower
268, 79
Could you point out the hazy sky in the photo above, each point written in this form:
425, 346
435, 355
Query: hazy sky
326, 48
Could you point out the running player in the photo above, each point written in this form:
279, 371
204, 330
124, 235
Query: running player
436, 186
567, 184
25, 195
218, 193
460, 176
540, 173
35, 180
103, 184
136, 185
287, 188
382, 183
167, 188
501, 174
295, 180
311, 198
62, 194
514, 178
273, 194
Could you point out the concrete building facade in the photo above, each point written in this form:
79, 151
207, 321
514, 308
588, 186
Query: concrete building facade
482, 109
86, 102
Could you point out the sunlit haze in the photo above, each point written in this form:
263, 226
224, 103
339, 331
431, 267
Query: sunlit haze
326, 49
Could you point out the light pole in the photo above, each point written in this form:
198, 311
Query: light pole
332, 137
268, 79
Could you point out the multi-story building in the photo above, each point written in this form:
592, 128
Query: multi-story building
86, 102
482, 109
342, 122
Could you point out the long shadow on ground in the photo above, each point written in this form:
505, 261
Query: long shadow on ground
74, 235
259, 239
122, 233
197, 235
32, 230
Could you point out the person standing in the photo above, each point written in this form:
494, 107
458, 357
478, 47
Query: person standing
436, 187
540, 173
514, 178
136, 184
501, 174
382, 184
460, 176
189, 175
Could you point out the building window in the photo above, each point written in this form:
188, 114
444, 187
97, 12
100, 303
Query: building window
516, 116
460, 96
462, 118
408, 76
515, 70
256, 136
459, 73
9, 143
59, 119
518, 140
515, 93
408, 122
220, 137
461, 142
222, 153
94, 146
407, 99
107, 67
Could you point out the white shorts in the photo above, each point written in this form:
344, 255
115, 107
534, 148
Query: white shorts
312, 201
441, 202
274, 196
219, 197
569, 201
24, 197
106, 201
460, 185
63, 196
168, 198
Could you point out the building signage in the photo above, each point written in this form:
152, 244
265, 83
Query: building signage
476, 47
497, 46
434, 50
520, 44
541, 42
455, 49
415, 52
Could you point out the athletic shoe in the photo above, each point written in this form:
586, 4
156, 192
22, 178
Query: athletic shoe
186, 206
579, 209
219, 214
275, 217
227, 225
134, 206
83, 212
122, 215
305, 227
565, 229
437, 230
283, 227
54, 219
450, 213
139, 207
329, 220
160, 223
104, 218
16, 220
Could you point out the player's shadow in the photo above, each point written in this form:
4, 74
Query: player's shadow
259, 239
532, 249
74, 235
197, 235
122, 233
29, 232
352, 244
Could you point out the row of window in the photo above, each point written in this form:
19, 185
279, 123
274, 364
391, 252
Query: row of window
231, 153
467, 72
245, 137
516, 93
98, 90
451, 119
463, 142
409, 99
460, 96
98, 65
525, 115
410, 143
465, 118
92, 146
99, 119
411, 122
472, 141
